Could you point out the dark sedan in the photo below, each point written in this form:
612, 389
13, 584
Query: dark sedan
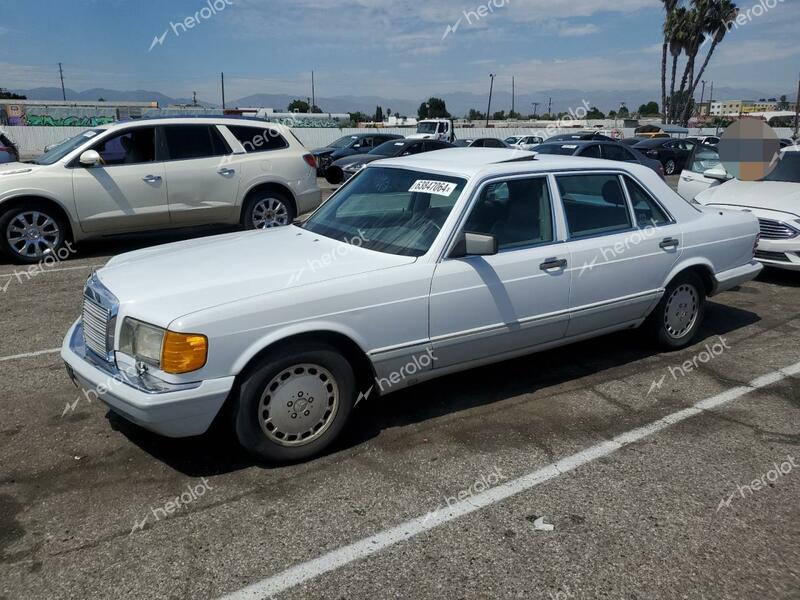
673, 154
600, 149
360, 143
579, 136
481, 143
344, 168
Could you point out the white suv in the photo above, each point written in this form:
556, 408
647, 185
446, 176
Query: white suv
155, 174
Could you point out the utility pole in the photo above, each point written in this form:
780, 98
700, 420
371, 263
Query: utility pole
549, 107
702, 95
63, 91
797, 112
194, 98
512, 94
222, 76
313, 93
535, 107
489, 109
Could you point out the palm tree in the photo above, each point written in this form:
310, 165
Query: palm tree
694, 35
676, 27
669, 7
719, 17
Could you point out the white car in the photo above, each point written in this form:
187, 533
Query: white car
774, 200
155, 174
526, 142
417, 267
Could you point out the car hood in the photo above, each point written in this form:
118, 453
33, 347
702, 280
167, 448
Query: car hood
770, 195
323, 151
162, 283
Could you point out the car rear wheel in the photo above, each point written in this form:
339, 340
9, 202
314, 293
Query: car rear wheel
32, 233
670, 167
295, 404
267, 210
679, 316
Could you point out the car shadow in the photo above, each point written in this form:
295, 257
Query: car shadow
217, 452
782, 277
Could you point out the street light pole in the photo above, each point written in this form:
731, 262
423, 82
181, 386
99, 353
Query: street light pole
489, 109
797, 112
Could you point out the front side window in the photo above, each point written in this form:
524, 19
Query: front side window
194, 141
648, 212
594, 204
396, 211
706, 157
130, 147
257, 139
517, 213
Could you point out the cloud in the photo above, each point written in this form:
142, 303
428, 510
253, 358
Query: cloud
578, 30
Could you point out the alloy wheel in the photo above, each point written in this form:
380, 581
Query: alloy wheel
681, 310
33, 234
269, 213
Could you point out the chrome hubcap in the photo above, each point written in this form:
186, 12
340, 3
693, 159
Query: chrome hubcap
33, 234
670, 167
270, 212
681, 311
298, 405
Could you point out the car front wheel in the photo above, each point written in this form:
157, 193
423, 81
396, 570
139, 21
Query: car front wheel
670, 167
32, 233
267, 210
294, 404
679, 316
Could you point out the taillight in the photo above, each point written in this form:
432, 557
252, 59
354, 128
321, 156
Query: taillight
310, 160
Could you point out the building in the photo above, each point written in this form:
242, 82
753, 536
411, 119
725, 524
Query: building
735, 108
54, 113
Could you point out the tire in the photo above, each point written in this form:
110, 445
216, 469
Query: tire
268, 209
679, 316
670, 167
29, 234
275, 415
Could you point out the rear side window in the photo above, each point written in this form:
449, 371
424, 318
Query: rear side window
612, 152
648, 212
705, 157
592, 151
258, 139
594, 204
194, 141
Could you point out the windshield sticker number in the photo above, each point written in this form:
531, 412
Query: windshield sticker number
439, 188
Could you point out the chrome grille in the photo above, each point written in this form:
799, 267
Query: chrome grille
95, 327
775, 230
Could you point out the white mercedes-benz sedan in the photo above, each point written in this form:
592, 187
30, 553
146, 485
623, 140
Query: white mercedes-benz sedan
417, 267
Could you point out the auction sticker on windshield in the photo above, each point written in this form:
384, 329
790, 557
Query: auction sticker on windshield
440, 188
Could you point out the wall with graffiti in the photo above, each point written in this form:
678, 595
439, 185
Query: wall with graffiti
36, 115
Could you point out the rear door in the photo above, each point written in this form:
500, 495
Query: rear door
623, 245
202, 174
128, 190
692, 180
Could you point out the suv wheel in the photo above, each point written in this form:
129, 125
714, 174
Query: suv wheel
31, 233
678, 317
295, 404
670, 167
266, 210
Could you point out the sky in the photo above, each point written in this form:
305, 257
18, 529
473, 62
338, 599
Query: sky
397, 48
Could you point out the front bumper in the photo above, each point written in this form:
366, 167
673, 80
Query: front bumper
172, 410
782, 254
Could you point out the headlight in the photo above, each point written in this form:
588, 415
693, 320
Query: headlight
169, 351
354, 168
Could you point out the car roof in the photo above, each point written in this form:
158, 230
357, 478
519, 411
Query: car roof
205, 120
473, 162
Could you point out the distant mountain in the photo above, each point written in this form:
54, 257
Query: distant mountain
458, 103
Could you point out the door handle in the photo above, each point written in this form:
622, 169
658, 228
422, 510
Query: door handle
226, 172
668, 243
685, 178
151, 178
553, 263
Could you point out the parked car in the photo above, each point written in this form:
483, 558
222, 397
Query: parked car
526, 142
579, 135
419, 267
774, 200
8, 149
486, 142
787, 142
632, 141
600, 149
703, 170
155, 174
349, 145
672, 153
344, 168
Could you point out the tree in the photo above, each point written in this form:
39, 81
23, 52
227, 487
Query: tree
378, 114
649, 109
499, 116
298, 106
784, 103
677, 32
434, 108
669, 7
6, 95
594, 113
358, 117
623, 112
612, 114
475, 115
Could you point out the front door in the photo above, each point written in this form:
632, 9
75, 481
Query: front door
128, 190
488, 306
623, 246
692, 180
203, 177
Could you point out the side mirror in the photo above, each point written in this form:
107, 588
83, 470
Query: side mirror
718, 173
474, 244
90, 158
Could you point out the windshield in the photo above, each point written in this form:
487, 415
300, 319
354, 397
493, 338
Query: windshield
60, 150
396, 211
788, 168
343, 142
387, 148
426, 128
563, 149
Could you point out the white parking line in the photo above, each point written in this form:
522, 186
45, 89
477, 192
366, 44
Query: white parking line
361, 549
29, 354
